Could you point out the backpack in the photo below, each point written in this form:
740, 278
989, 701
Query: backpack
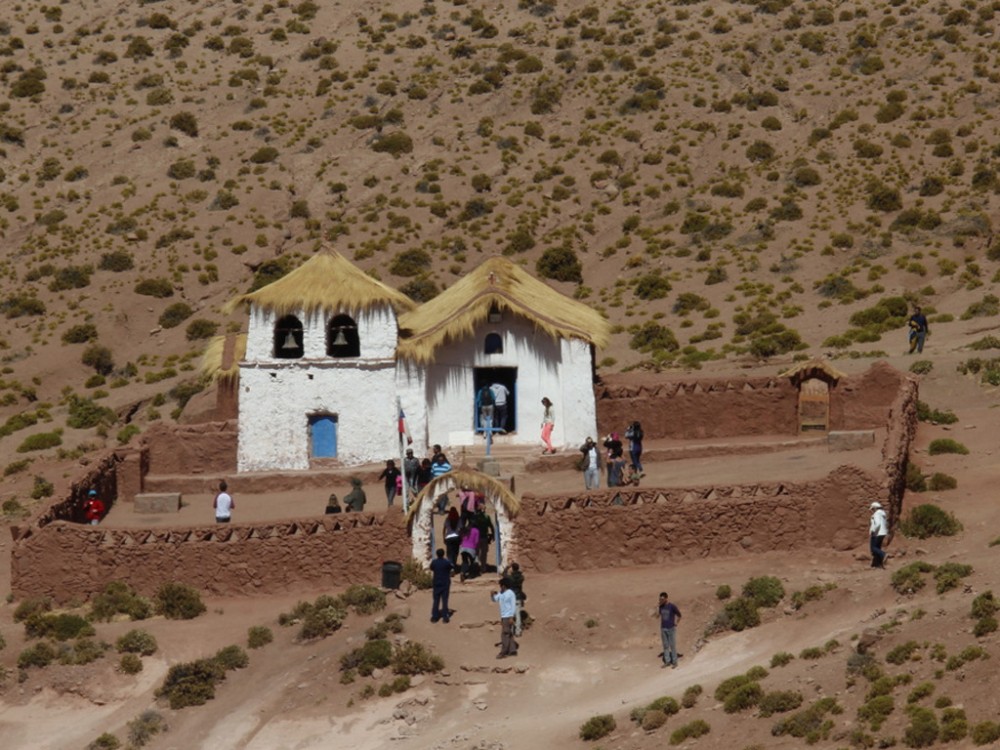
486, 396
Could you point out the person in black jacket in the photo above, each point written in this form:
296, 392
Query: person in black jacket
634, 436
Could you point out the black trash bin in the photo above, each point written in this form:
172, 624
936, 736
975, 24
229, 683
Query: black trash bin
392, 575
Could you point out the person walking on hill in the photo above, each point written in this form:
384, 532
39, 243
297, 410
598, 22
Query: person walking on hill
634, 436
669, 616
390, 474
223, 504
513, 572
508, 610
878, 530
441, 568
411, 465
452, 534
548, 423
469, 547
919, 331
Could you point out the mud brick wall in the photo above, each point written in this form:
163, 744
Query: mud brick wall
638, 526
66, 561
206, 448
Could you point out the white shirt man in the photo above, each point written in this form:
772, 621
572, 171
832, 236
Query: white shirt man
500, 394
878, 530
223, 505
508, 609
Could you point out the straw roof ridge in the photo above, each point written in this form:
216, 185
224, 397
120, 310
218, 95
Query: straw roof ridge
215, 353
327, 282
456, 312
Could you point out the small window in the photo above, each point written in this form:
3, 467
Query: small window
494, 344
342, 337
288, 341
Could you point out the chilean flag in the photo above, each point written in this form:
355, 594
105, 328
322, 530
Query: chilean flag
403, 429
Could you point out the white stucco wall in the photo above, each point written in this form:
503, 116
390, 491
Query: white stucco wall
559, 369
277, 396
377, 332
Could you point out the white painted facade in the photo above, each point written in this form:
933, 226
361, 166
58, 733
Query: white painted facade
278, 396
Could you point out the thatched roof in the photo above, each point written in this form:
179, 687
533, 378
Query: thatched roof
327, 282
221, 360
814, 368
456, 312
463, 476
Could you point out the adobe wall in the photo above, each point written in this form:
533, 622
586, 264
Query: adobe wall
700, 408
205, 448
66, 561
583, 531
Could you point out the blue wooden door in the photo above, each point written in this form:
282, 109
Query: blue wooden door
323, 434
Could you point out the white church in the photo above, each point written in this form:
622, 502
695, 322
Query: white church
332, 353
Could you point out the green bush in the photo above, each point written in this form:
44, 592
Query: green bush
560, 264
366, 600
393, 623
651, 336
259, 636
414, 572
810, 722
159, 288
923, 728
730, 685
985, 733
664, 705
396, 143
745, 696
323, 617
984, 626
741, 614
947, 445
117, 261
83, 651
142, 728
409, 263
40, 655
80, 334
264, 155
85, 413
779, 701
200, 328
178, 601
30, 607
597, 726
232, 657
415, 658
39, 441
374, 654
119, 598
764, 591
130, 664
106, 741
185, 122
949, 574
136, 642
652, 286
175, 314
652, 720
781, 659
985, 605
422, 289
876, 710
929, 520
954, 725
902, 653
691, 730
62, 627
191, 683
939, 482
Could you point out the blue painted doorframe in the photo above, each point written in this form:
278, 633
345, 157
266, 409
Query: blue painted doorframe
323, 435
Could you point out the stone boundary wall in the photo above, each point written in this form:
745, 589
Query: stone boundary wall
65, 561
901, 424
627, 526
206, 448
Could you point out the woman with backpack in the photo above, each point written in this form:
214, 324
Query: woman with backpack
634, 436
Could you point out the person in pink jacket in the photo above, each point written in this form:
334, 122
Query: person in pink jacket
468, 549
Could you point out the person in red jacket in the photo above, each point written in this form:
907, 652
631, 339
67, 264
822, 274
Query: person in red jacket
93, 508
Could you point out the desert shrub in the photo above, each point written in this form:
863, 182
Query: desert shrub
30, 607
80, 334
415, 658
83, 651
954, 725
106, 741
664, 705
691, 730
812, 652
159, 288
810, 722
988, 306
191, 683
916, 481
175, 314
813, 593
781, 659
136, 642
119, 598
144, 727
729, 685
264, 155
949, 574
323, 617
232, 657
560, 264
259, 636
182, 169
921, 691
985, 605
130, 664
39, 442
651, 336
652, 720
422, 289
62, 627
876, 710
985, 733
18, 305
723, 592
185, 122
921, 367
40, 655
374, 654
691, 695
939, 482
779, 702
928, 520
365, 600
411, 262
743, 697
417, 574
393, 143
946, 445
85, 413
399, 685
923, 729
597, 726
178, 601
200, 328
652, 286
764, 591
99, 358
740, 614
902, 653
393, 623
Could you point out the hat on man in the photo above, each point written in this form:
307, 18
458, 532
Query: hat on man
876, 506
92, 493
355, 481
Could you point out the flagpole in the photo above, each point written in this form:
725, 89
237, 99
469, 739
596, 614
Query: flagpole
402, 456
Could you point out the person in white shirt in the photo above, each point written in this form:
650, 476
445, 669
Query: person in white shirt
500, 394
878, 530
508, 610
591, 465
223, 504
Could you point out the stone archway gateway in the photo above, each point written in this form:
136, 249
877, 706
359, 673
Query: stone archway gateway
420, 516
814, 379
